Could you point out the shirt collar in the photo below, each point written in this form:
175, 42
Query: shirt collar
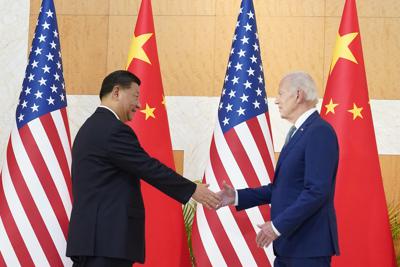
304, 117
115, 114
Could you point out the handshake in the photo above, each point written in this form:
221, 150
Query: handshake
225, 197
213, 200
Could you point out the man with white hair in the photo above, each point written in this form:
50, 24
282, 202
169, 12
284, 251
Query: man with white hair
303, 221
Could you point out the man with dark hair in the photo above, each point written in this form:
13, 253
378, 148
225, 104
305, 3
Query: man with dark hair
107, 219
119, 77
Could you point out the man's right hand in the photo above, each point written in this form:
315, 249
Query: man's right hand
206, 197
227, 195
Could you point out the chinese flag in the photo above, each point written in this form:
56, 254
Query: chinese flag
364, 231
166, 243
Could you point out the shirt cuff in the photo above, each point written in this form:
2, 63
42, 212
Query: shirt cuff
236, 198
275, 230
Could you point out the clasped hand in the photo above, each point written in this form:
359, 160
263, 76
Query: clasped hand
266, 235
206, 197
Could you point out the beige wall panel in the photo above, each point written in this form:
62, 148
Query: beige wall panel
223, 37
178, 159
286, 47
35, 6
274, 8
228, 8
120, 31
75, 7
84, 52
366, 8
124, 7
381, 46
32, 26
390, 167
164, 7
183, 7
186, 54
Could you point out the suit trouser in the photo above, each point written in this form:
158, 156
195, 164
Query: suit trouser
302, 262
88, 261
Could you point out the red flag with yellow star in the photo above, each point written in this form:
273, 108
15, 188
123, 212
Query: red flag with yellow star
166, 243
363, 225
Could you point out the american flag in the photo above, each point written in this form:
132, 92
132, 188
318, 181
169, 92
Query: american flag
35, 181
241, 153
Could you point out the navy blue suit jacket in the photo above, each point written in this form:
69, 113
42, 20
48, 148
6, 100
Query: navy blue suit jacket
302, 193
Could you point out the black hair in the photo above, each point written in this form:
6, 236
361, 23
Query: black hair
119, 77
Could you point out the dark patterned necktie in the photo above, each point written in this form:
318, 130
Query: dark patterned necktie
289, 135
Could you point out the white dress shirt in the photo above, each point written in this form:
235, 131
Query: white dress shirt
303, 117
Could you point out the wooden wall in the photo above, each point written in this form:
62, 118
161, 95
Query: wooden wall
193, 48
193, 43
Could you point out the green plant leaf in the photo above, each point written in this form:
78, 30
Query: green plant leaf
189, 211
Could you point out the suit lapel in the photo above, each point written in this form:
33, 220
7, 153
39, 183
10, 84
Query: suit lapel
296, 137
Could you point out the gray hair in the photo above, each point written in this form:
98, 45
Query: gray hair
301, 80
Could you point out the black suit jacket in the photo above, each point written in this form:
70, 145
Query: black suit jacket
107, 216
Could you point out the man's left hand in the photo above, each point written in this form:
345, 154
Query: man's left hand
266, 235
